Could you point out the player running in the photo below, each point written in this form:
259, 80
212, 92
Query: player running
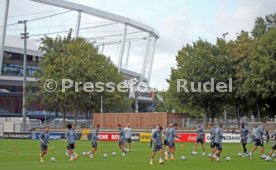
217, 139
244, 138
71, 137
158, 146
269, 157
44, 141
259, 141
200, 139
128, 135
171, 143
122, 139
94, 139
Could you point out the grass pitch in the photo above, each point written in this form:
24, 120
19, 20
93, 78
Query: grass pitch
24, 155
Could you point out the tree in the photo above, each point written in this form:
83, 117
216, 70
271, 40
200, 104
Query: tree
259, 28
79, 61
199, 63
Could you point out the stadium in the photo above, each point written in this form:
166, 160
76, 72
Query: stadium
144, 127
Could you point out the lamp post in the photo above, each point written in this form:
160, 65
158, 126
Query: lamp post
224, 34
24, 36
101, 112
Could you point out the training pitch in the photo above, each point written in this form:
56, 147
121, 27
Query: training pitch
24, 155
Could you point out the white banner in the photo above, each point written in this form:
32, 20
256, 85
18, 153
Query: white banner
228, 138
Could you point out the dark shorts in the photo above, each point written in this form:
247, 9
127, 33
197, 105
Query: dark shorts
121, 142
165, 142
200, 141
274, 147
259, 142
94, 145
171, 144
157, 148
212, 144
71, 146
128, 140
44, 147
218, 146
244, 141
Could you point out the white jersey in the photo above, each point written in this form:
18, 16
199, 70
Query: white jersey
128, 132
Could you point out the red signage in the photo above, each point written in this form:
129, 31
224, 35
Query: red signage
108, 136
187, 137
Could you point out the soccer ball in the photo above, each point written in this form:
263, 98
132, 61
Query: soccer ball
84, 154
123, 155
263, 157
105, 155
228, 158
210, 155
53, 159
182, 158
114, 154
240, 154
127, 150
268, 159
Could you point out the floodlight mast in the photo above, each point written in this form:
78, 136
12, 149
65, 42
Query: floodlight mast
24, 36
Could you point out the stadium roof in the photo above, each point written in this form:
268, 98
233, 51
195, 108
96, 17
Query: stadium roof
15, 44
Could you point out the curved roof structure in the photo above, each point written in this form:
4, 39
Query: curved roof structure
101, 14
124, 38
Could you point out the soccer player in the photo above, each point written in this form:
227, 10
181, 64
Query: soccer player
152, 131
94, 139
44, 141
268, 158
244, 138
71, 137
212, 132
200, 139
128, 135
171, 142
217, 139
166, 136
122, 139
158, 146
259, 141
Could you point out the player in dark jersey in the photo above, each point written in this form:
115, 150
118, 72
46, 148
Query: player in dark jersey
212, 132
217, 139
94, 141
122, 139
244, 132
273, 149
171, 142
71, 138
44, 141
259, 141
200, 139
158, 146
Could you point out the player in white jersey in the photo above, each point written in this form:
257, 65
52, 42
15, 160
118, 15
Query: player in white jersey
128, 135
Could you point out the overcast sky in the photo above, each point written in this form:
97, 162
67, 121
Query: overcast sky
178, 22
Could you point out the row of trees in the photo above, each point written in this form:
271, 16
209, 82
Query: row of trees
249, 60
80, 61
